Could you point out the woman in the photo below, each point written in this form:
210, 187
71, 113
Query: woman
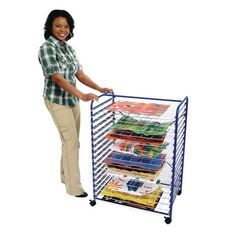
61, 69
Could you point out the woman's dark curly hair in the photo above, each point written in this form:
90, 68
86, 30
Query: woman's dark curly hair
51, 17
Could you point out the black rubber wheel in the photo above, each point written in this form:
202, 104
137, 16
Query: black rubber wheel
168, 220
92, 203
179, 192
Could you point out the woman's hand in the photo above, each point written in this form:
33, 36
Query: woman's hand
106, 90
88, 97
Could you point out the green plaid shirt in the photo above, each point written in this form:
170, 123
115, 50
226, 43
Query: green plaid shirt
56, 57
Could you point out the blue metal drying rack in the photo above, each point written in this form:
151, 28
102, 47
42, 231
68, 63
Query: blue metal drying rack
172, 175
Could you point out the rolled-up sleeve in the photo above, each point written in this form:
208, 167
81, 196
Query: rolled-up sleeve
48, 61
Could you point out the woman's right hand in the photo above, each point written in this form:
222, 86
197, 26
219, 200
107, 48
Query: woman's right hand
88, 97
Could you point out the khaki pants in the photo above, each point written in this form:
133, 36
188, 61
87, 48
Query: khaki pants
67, 121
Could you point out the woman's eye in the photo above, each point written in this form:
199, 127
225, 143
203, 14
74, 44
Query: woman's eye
60, 26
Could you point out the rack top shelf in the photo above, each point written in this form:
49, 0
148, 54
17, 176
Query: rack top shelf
143, 107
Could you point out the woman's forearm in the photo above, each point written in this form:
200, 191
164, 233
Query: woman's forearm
84, 79
61, 82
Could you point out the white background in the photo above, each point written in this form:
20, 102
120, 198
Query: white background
163, 49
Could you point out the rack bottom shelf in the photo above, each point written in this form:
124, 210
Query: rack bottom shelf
167, 217
161, 205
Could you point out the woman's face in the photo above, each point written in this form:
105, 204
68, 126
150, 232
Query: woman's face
60, 28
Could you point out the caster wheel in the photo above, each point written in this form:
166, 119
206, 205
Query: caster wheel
92, 202
179, 192
168, 220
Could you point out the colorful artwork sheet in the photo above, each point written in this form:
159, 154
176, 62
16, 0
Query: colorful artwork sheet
143, 175
132, 186
133, 137
139, 149
142, 127
138, 107
147, 200
135, 162
132, 204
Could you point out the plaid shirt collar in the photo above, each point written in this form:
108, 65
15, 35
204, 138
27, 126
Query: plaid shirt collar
58, 43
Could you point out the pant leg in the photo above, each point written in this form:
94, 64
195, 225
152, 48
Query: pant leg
76, 114
63, 118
